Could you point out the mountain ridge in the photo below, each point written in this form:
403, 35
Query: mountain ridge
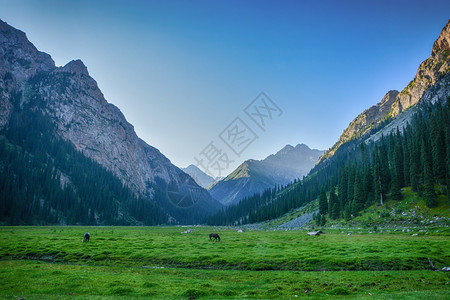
97, 128
254, 176
428, 74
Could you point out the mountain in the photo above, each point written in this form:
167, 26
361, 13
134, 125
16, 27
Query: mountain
254, 176
69, 98
200, 177
401, 144
429, 84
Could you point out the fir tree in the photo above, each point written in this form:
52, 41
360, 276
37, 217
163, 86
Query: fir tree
334, 210
342, 188
397, 174
414, 163
358, 199
323, 220
323, 203
429, 194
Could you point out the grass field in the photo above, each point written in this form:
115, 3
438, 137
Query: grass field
51, 262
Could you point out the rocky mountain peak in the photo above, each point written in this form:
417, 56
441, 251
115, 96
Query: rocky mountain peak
200, 177
20, 56
254, 176
75, 66
428, 74
286, 149
365, 121
289, 149
443, 42
302, 147
390, 96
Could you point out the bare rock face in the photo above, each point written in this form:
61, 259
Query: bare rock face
364, 122
20, 57
99, 129
431, 81
19, 60
75, 66
82, 116
441, 90
370, 116
429, 72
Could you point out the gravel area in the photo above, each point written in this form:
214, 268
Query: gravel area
297, 222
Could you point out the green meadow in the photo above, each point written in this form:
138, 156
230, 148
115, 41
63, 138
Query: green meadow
161, 262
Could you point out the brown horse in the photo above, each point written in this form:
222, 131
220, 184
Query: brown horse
214, 237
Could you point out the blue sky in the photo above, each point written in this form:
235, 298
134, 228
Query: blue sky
181, 71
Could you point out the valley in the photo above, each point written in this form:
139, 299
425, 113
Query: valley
369, 217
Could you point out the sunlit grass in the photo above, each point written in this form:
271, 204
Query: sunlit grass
40, 262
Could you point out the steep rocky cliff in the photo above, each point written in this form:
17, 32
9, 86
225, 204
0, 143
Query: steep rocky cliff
19, 60
430, 82
428, 74
73, 101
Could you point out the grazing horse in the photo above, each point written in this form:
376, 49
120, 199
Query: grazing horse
214, 237
86, 237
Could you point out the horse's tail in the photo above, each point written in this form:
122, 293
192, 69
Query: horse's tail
218, 237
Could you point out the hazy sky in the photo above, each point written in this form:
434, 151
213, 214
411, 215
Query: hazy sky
182, 71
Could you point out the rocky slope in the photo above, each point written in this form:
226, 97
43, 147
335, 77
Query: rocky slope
97, 128
255, 176
429, 73
429, 83
200, 177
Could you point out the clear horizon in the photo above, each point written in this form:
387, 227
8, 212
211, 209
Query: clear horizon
183, 72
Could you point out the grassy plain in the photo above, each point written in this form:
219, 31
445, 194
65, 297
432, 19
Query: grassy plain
51, 262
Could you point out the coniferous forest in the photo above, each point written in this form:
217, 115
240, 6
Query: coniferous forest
45, 180
361, 174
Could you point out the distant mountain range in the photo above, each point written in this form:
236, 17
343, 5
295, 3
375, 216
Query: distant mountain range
200, 177
72, 107
254, 176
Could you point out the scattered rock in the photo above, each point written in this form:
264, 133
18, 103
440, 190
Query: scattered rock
297, 222
315, 232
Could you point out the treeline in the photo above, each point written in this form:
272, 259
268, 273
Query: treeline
360, 174
45, 180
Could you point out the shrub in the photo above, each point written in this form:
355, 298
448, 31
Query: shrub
194, 293
339, 291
